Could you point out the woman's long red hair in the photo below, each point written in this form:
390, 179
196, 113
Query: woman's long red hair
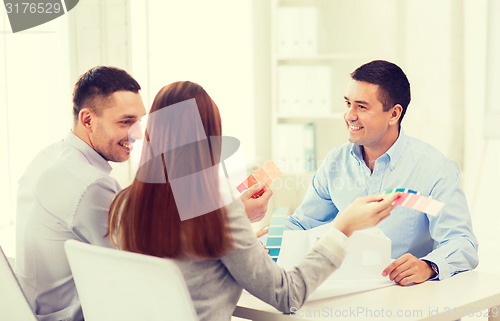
144, 218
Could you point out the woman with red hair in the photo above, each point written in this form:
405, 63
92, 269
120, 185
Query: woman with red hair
217, 252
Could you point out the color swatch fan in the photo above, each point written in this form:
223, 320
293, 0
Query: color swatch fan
275, 234
416, 201
264, 174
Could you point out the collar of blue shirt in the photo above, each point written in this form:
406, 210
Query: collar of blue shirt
393, 154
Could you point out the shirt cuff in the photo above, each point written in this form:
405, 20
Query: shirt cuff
434, 268
444, 271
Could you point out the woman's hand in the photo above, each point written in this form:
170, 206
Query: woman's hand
256, 207
364, 212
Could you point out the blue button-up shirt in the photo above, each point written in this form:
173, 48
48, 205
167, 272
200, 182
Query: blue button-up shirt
446, 240
64, 194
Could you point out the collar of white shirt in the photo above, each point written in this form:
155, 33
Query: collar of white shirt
93, 157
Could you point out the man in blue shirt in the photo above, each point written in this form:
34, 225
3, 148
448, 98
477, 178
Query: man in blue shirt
380, 157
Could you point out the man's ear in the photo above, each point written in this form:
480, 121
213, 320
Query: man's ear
85, 117
395, 114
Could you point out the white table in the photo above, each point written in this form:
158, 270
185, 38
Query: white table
461, 295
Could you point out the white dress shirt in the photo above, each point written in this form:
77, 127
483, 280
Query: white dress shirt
64, 194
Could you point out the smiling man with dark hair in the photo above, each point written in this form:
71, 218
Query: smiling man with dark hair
380, 157
66, 191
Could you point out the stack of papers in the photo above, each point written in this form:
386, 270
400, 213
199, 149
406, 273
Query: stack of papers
368, 254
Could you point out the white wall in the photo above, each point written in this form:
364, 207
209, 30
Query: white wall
35, 107
433, 62
481, 154
208, 42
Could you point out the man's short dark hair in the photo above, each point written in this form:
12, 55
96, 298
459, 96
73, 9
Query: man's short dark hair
394, 87
100, 82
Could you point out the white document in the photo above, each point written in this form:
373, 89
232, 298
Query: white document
368, 254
